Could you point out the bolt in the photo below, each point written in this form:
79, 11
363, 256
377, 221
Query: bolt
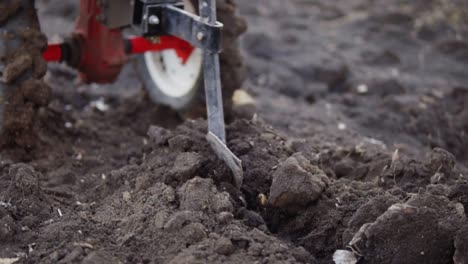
153, 20
200, 36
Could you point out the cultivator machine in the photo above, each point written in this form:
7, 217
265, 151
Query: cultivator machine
179, 42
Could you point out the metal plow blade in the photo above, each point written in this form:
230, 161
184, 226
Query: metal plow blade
214, 102
223, 152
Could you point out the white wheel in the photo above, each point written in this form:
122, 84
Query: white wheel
168, 80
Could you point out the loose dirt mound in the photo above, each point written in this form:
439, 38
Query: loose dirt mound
359, 144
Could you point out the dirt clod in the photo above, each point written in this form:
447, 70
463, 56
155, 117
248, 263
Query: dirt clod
296, 183
186, 166
16, 67
27, 199
224, 246
461, 246
427, 217
158, 135
441, 161
7, 228
201, 195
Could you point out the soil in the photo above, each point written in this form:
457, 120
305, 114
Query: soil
356, 150
22, 71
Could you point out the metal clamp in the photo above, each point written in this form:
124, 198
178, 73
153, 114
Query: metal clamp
169, 19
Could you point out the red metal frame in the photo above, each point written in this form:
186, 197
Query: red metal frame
99, 52
142, 45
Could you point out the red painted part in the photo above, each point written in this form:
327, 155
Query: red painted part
101, 50
53, 53
182, 47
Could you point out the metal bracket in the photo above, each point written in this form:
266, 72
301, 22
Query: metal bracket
170, 19
214, 101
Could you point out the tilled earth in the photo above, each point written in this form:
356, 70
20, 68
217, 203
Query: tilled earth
357, 151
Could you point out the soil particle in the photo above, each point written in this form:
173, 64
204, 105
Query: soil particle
461, 246
296, 183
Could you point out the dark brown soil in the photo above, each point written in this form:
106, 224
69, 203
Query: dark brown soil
22, 90
359, 144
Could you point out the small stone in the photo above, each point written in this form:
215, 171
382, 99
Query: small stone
225, 217
169, 194
160, 219
224, 246
241, 97
362, 89
344, 257
126, 196
342, 126
9, 260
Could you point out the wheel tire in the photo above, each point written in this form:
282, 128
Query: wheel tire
192, 104
22, 67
